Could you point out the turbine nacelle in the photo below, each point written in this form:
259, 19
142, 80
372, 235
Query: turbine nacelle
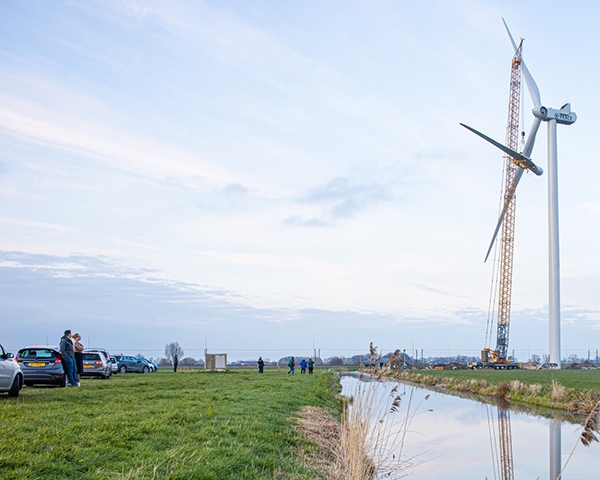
564, 116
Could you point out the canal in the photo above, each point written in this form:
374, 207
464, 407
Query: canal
440, 436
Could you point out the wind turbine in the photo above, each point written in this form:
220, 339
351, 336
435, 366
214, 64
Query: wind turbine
562, 116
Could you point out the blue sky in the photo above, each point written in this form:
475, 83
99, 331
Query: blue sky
259, 176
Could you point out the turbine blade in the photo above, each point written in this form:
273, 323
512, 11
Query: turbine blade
508, 199
512, 40
520, 159
508, 151
534, 91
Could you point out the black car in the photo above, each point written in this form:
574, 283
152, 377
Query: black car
128, 363
42, 364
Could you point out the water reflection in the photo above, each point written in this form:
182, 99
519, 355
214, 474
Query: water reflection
555, 443
450, 436
501, 441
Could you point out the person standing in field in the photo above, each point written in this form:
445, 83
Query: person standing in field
67, 355
291, 364
311, 365
78, 348
175, 362
303, 366
261, 365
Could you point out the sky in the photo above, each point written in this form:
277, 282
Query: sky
267, 178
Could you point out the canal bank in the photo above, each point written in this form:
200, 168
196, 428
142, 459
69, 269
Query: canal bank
449, 436
574, 391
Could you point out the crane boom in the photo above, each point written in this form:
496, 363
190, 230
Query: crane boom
508, 226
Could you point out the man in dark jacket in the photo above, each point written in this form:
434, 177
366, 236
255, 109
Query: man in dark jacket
68, 357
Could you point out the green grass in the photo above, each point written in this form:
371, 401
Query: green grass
196, 424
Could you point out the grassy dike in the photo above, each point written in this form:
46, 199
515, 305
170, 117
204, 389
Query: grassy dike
575, 391
192, 424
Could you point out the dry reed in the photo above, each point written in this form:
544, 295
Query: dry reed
372, 435
535, 389
516, 386
558, 391
591, 427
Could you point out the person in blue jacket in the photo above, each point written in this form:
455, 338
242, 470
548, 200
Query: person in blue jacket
303, 366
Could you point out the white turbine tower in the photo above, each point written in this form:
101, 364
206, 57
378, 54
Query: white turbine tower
563, 116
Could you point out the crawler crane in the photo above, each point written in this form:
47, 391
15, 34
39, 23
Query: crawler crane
499, 358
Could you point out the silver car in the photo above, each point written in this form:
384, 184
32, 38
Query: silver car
11, 376
95, 364
115, 365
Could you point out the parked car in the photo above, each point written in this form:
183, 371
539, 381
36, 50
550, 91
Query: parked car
42, 364
128, 363
96, 365
114, 364
103, 351
11, 376
152, 365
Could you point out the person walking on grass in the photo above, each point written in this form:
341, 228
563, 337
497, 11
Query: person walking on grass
291, 364
311, 365
303, 366
78, 349
175, 362
261, 365
67, 355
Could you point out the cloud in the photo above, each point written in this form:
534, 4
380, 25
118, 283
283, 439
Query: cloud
298, 221
235, 189
340, 198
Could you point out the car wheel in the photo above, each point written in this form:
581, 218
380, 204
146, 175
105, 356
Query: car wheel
145, 370
16, 387
122, 369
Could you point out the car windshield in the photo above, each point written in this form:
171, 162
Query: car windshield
91, 356
103, 352
38, 354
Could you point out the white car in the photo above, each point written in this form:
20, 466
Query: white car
11, 376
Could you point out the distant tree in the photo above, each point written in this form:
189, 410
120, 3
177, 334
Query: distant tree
188, 362
535, 358
164, 362
336, 361
573, 359
171, 349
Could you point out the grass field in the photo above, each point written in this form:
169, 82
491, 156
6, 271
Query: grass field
195, 424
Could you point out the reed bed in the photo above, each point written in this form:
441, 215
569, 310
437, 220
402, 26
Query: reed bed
553, 395
374, 427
